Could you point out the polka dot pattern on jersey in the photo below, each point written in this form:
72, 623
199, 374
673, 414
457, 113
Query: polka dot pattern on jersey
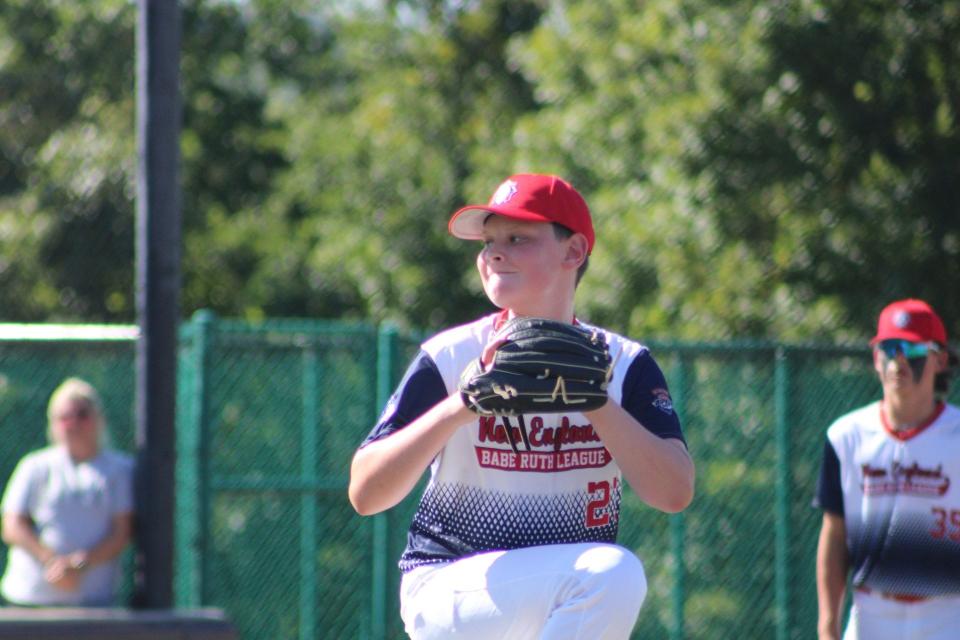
919, 555
464, 520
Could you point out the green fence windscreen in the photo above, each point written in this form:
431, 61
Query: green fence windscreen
269, 415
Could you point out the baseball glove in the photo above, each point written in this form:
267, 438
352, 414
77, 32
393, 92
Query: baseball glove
540, 366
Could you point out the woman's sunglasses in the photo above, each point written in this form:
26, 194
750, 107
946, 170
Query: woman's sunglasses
910, 350
76, 414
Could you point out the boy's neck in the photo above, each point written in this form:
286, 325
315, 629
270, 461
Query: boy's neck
906, 411
561, 313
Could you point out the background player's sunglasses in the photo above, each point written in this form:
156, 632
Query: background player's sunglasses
909, 349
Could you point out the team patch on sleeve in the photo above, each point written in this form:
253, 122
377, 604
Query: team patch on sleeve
662, 400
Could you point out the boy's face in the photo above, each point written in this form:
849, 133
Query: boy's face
524, 267
899, 374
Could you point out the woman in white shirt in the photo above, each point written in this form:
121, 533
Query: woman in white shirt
68, 509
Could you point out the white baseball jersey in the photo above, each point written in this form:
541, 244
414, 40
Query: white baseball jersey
72, 505
897, 494
507, 483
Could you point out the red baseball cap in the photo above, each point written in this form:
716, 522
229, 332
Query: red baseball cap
910, 319
532, 198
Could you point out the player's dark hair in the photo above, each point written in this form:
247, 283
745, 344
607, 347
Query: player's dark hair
562, 233
941, 383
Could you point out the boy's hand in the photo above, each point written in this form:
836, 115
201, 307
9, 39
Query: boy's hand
539, 366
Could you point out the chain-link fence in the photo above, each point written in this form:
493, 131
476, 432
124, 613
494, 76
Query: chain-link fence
269, 416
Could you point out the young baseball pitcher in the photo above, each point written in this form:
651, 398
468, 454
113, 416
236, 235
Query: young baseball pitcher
529, 421
891, 507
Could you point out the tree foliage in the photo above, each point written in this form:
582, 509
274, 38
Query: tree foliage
66, 229
756, 170
839, 162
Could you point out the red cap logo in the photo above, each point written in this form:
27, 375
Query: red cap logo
504, 192
910, 319
531, 198
901, 319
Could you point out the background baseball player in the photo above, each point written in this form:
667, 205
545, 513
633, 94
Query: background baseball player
514, 534
891, 507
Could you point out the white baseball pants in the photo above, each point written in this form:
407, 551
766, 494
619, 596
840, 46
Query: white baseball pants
585, 591
873, 617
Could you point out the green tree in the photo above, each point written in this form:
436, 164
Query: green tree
67, 180
380, 160
839, 161
746, 183
623, 87
65, 175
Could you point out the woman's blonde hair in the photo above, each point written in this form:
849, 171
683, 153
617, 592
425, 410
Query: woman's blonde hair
77, 389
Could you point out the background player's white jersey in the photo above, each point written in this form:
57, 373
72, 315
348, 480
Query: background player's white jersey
898, 495
506, 483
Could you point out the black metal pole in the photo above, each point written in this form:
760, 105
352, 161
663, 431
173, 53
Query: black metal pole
158, 285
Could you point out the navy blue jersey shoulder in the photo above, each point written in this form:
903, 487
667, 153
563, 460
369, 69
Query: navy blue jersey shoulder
829, 496
646, 398
421, 388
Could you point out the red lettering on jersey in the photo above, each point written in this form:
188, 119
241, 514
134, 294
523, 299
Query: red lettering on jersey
583, 458
537, 432
532, 461
488, 430
539, 435
568, 433
910, 479
497, 458
541, 461
872, 472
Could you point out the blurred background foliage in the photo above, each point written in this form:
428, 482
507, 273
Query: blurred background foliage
767, 170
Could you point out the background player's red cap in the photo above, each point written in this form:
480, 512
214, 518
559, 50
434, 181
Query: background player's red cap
910, 319
532, 198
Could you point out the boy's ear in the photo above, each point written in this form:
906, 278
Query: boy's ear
942, 360
577, 248
877, 361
